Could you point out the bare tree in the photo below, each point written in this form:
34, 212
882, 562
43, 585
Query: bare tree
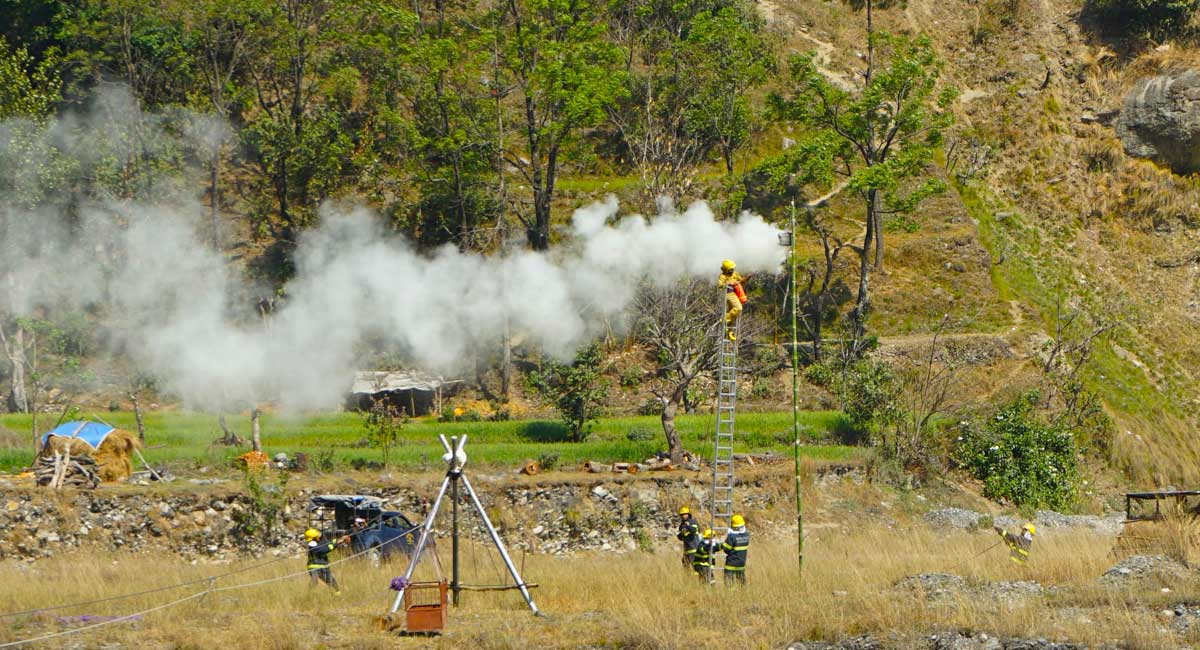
1067, 354
822, 285
682, 325
15, 349
927, 393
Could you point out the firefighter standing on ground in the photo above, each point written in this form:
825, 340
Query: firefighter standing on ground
689, 534
318, 559
735, 296
705, 554
1018, 544
736, 546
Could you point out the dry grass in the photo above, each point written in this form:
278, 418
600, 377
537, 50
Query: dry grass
638, 600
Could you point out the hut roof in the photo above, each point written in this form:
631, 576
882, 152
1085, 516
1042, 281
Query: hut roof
379, 381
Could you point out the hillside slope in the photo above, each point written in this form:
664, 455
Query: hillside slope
1048, 213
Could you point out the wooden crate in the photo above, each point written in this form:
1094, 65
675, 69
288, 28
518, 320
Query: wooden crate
425, 607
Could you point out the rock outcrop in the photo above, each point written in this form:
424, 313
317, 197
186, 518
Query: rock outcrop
1160, 121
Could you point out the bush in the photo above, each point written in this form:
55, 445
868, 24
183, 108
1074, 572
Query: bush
631, 377
638, 434
547, 460
869, 392
1020, 458
576, 390
1156, 18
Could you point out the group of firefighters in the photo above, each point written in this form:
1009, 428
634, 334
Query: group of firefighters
700, 549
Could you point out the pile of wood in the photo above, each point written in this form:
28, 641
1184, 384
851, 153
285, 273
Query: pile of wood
592, 467
64, 470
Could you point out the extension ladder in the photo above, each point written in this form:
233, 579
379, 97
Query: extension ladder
722, 490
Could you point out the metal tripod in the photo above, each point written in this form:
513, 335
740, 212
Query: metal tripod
722, 491
455, 459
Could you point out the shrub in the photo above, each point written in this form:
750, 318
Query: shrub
576, 390
1020, 458
631, 377
1156, 18
638, 434
548, 460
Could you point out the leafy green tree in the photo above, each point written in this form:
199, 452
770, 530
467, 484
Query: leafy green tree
423, 68
563, 74
1020, 458
299, 138
882, 136
219, 35
726, 54
28, 88
130, 40
577, 390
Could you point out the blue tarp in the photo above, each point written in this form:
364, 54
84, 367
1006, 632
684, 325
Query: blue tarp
92, 433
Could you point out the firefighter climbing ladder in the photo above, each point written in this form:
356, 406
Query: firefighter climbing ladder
722, 491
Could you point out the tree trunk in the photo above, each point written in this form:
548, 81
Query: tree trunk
505, 362
15, 349
255, 429
214, 195
674, 444
230, 438
863, 300
137, 415
877, 220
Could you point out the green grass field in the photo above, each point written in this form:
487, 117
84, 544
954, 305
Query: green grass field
184, 440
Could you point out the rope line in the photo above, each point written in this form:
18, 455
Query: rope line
158, 589
198, 594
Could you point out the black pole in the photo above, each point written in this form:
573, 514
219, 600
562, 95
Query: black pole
454, 585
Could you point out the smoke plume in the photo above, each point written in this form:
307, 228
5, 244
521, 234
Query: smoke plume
166, 295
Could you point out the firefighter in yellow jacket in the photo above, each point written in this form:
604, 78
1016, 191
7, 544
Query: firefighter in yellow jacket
735, 295
1019, 544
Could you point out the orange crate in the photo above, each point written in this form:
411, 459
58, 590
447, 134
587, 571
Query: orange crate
425, 607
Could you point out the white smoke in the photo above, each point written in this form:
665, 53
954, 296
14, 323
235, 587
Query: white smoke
168, 295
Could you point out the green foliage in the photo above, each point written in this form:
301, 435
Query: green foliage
262, 516
870, 395
383, 423
1157, 18
1020, 458
725, 55
566, 74
548, 460
888, 131
631, 377
577, 390
28, 88
638, 434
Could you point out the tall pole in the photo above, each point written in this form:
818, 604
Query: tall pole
454, 583
796, 402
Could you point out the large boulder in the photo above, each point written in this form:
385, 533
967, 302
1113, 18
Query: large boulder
1160, 121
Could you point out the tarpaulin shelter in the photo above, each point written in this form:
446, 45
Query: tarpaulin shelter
111, 448
414, 391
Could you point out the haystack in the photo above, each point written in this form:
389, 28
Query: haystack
114, 456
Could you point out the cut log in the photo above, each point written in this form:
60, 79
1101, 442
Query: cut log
530, 467
592, 467
627, 468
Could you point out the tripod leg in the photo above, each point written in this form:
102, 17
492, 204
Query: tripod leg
426, 532
512, 569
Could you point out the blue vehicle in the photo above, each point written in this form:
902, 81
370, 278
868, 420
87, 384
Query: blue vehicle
382, 533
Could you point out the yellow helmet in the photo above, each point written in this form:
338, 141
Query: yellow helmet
1030, 527
311, 534
728, 266
708, 533
737, 521
685, 510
